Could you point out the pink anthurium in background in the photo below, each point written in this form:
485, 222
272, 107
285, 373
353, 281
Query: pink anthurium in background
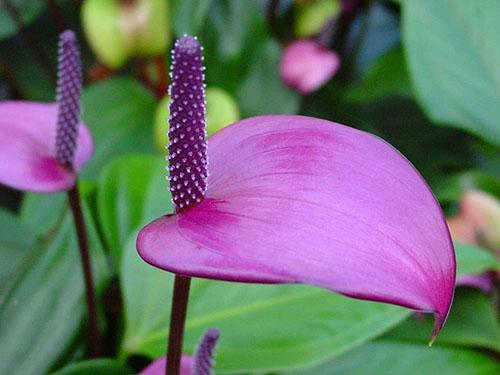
477, 223
42, 148
200, 364
478, 220
44, 145
293, 199
306, 65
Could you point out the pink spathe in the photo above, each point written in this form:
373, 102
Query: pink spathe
27, 154
306, 65
483, 282
292, 199
158, 366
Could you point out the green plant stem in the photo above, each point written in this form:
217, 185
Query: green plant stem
177, 322
81, 232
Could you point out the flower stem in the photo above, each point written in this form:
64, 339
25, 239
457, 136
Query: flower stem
57, 15
81, 232
177, 320
272, 9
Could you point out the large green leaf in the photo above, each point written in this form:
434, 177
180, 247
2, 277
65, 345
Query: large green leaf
262, 90
389, 358
188, 16
31, 80
28, 10
387, 77
43, 307
232, 26
263, 327
241, 58
16, 240
454, 61
34, 209
472, 322
132, 191
119, 113
95, 367
474, 260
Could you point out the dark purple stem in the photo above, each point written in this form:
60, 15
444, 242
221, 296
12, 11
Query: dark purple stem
177, 321
57, 15
326, 34
272, 10
350, 10
81, 232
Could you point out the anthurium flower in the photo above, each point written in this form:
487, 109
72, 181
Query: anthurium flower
482, 211
201, 364
477, 223
293, 199
483, 282
44, 145
306, 65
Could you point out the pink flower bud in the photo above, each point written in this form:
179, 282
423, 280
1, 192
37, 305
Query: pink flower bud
306, 65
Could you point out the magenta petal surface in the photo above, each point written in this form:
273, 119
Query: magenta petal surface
292, 199
158, 366
306, 65
27, 142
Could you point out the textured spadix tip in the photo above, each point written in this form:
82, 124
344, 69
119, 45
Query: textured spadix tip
69, 87
67, 36
188, 44
203, 359
187, 146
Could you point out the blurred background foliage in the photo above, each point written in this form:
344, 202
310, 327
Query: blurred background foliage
423, 75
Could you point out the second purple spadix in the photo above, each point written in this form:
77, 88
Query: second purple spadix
69, 89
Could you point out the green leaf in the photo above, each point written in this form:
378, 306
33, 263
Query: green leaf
31, 80
262, 91
263, 327
472, 322
387, 77
95, 367
132, 191
35, 206
43, 308
16, 240
188, 16
232, 26
28, 10
242, 59
389, 358
34, 210
474, 260
453, 55
119, 113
